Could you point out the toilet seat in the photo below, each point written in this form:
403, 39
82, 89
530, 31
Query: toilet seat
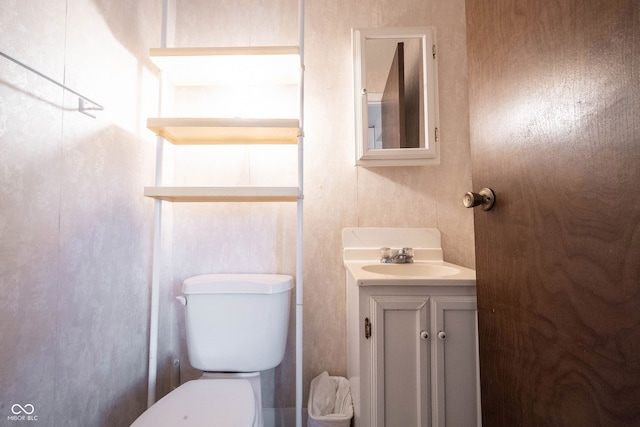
204, 403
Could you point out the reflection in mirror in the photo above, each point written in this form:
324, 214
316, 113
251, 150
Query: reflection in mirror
394, 81
395, 93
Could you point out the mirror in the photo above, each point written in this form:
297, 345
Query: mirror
395, 93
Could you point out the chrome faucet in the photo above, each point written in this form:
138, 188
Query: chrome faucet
398, 256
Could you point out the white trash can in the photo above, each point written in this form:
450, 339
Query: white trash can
330, 403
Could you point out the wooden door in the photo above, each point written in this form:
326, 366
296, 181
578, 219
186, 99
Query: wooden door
393, 103
413, 94
555, 132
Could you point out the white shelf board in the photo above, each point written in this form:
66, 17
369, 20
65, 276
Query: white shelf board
198, 66
226, 131
223, 194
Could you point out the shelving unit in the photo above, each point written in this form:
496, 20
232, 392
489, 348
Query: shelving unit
224, 194
198, 66
191, 131
209, 66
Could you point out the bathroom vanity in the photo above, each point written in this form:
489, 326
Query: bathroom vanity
411, 332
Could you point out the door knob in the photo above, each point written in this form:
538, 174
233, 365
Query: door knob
485, 198
442, 335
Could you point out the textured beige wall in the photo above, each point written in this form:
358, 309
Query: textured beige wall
74, 230
259, 238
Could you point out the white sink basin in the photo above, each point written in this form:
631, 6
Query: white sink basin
413, 270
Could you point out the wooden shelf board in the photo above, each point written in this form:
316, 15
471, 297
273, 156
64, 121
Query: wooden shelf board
226, 131
223, 194
223, 50
222, 65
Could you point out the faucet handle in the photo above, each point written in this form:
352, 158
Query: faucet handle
406, 251
385, 254
406, 254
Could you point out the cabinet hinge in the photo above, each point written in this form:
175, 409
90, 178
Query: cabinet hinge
436, 134
433, 50
367, 328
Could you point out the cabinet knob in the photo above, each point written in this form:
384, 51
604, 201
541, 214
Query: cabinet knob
442, 335
424, 335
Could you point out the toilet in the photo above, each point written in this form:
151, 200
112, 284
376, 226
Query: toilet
236, 326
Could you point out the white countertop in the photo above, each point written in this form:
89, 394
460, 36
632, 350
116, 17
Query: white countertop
356, 268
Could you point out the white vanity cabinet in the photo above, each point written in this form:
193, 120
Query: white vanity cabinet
413, 354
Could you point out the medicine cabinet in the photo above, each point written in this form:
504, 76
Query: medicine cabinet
395, 96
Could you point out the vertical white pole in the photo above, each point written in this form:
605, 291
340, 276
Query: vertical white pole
299, 258
155, 297
157, 242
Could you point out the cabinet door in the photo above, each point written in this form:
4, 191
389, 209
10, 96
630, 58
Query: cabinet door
456, 381
400, 361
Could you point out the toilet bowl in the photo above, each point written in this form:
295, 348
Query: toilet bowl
204, 403
236, 326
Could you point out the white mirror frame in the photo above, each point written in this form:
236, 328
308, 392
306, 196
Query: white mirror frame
430, 154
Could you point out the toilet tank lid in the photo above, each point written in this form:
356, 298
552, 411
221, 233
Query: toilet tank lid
237, 284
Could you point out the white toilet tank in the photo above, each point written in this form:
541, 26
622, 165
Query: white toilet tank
237, 322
